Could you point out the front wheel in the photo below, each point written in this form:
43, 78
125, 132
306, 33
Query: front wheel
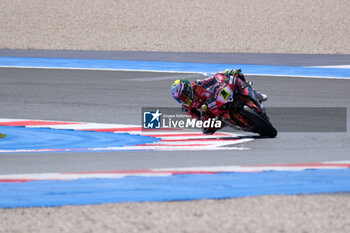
260, 125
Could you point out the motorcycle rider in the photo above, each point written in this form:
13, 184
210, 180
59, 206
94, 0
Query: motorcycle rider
198, 98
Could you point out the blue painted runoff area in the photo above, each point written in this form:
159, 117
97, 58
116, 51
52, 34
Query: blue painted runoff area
98, 64
172, 188
23, 138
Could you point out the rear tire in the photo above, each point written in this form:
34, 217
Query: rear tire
260, 125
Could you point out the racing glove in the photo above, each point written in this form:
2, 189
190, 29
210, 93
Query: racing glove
204, 111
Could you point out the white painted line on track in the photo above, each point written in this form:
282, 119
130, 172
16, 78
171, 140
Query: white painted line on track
298, 76
12, 120
85, 126
171, 71
338, 162
332, 66
100, 69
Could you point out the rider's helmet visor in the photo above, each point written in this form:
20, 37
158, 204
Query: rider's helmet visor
182, 92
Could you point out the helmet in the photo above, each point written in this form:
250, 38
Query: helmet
182, 91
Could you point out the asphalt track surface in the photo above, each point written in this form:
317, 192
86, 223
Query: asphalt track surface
117, 97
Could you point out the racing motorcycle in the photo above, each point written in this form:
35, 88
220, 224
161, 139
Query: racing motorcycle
241, 109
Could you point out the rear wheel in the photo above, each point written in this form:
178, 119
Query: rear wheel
260, 125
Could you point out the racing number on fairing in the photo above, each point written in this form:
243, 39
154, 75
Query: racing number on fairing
224, 94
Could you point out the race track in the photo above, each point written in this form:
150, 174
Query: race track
71, 69
116, 97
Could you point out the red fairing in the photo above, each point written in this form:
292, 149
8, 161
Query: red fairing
203, 91
208, 88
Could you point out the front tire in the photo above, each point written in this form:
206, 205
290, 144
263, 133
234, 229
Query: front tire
260, 125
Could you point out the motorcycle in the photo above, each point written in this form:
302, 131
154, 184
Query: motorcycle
241, 109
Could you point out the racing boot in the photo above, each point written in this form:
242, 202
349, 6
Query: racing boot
204, 115
261, 97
